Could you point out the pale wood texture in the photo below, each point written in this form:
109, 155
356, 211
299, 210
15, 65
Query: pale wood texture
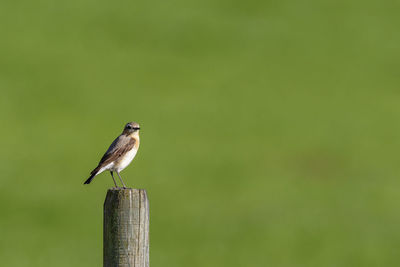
126, 228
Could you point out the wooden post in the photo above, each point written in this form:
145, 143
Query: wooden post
126, 228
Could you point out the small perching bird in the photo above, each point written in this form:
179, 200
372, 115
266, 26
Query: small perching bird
120, 153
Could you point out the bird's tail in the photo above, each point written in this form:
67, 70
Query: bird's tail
92, 175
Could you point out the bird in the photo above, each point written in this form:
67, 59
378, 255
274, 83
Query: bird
120, 153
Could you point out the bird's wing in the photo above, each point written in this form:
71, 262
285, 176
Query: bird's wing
117, 149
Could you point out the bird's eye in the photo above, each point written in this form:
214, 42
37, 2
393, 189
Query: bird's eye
129, 127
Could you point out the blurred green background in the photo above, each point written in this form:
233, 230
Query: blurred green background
270, 129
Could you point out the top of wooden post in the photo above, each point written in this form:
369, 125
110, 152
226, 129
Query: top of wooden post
126, 228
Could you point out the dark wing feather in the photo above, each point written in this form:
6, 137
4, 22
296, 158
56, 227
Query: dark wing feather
117, 149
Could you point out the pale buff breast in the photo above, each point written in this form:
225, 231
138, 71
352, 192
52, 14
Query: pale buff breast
128, 157
125, 160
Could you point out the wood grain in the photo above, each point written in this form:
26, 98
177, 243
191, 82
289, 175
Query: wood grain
126, 228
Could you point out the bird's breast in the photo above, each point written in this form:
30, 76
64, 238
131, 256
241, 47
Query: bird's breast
126, 159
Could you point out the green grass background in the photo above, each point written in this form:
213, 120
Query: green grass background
270, 129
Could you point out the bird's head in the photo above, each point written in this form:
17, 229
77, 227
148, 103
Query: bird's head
131, 127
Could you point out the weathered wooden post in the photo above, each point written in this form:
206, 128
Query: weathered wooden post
126, 228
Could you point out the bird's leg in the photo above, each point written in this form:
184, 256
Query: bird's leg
121, 180
116, 186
